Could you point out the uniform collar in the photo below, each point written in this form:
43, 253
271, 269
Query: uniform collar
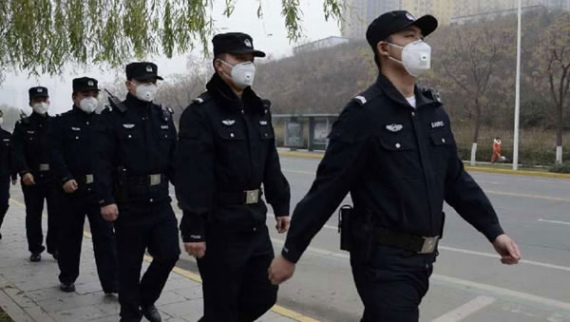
80, 112
135, 102
391, 92
227, 99
39, 117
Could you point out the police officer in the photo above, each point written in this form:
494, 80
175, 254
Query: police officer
71, 143
7, 169
393, 150
135, 146
33, 164
226, 153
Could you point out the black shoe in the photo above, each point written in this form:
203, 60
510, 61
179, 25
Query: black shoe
151, 314
67, 287
35, 257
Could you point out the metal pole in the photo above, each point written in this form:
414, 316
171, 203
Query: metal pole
518, 93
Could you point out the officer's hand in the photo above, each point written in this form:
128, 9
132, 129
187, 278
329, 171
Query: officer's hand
197, 250
280, 270
70, 186
509, 251
110, 212
282, 224
28, 179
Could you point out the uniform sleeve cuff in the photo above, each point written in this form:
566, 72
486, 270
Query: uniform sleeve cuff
281, 210
493, 231
106, 202
193, 238
290, 254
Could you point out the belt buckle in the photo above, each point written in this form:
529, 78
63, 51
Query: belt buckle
251, 196
89, 179
429, 245
155, 179
44, 167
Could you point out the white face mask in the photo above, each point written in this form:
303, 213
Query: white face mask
146, 92
416, 57
40, 108
88, 105
242, 74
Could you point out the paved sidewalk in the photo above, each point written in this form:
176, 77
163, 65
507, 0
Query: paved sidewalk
30, 291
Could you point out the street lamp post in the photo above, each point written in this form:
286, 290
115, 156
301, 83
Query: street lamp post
518, 92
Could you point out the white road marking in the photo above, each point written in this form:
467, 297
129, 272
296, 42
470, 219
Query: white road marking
493, 290
502, 292
555, 222
460, 250
469, 308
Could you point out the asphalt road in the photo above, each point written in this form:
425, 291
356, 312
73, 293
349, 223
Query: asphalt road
469, 283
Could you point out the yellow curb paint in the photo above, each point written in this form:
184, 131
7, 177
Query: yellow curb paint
291, 314
309, 155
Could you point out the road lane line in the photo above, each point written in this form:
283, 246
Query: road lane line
469, 308
554, 222
501, 292
491, 192
524, 195
489, 255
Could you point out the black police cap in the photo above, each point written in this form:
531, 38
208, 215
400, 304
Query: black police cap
143, 71
38, 91
85, 84
235, 43
391, 22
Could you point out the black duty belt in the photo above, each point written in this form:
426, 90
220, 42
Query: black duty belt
147, 180
418, 244
247, 197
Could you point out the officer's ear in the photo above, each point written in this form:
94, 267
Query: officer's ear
382, 49
218, 64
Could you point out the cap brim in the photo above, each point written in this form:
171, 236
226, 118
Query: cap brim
427, 24
39, 95
88, 89
151, 78
256, 53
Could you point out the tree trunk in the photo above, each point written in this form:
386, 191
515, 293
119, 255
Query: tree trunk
476, 132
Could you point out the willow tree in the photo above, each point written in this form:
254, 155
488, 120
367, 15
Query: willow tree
43, 35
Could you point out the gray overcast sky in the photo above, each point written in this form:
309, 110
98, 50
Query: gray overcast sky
269, 34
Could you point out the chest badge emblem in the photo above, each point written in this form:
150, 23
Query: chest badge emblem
394, 127
128, 126
228, 122
263, 122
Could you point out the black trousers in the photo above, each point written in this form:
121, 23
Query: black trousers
153, 227
234, 275
391, 282
34, 197
74, 209
4, 197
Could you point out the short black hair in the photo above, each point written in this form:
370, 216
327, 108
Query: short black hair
221, 56
377, 54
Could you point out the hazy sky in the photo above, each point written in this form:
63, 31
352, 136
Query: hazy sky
269, 35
